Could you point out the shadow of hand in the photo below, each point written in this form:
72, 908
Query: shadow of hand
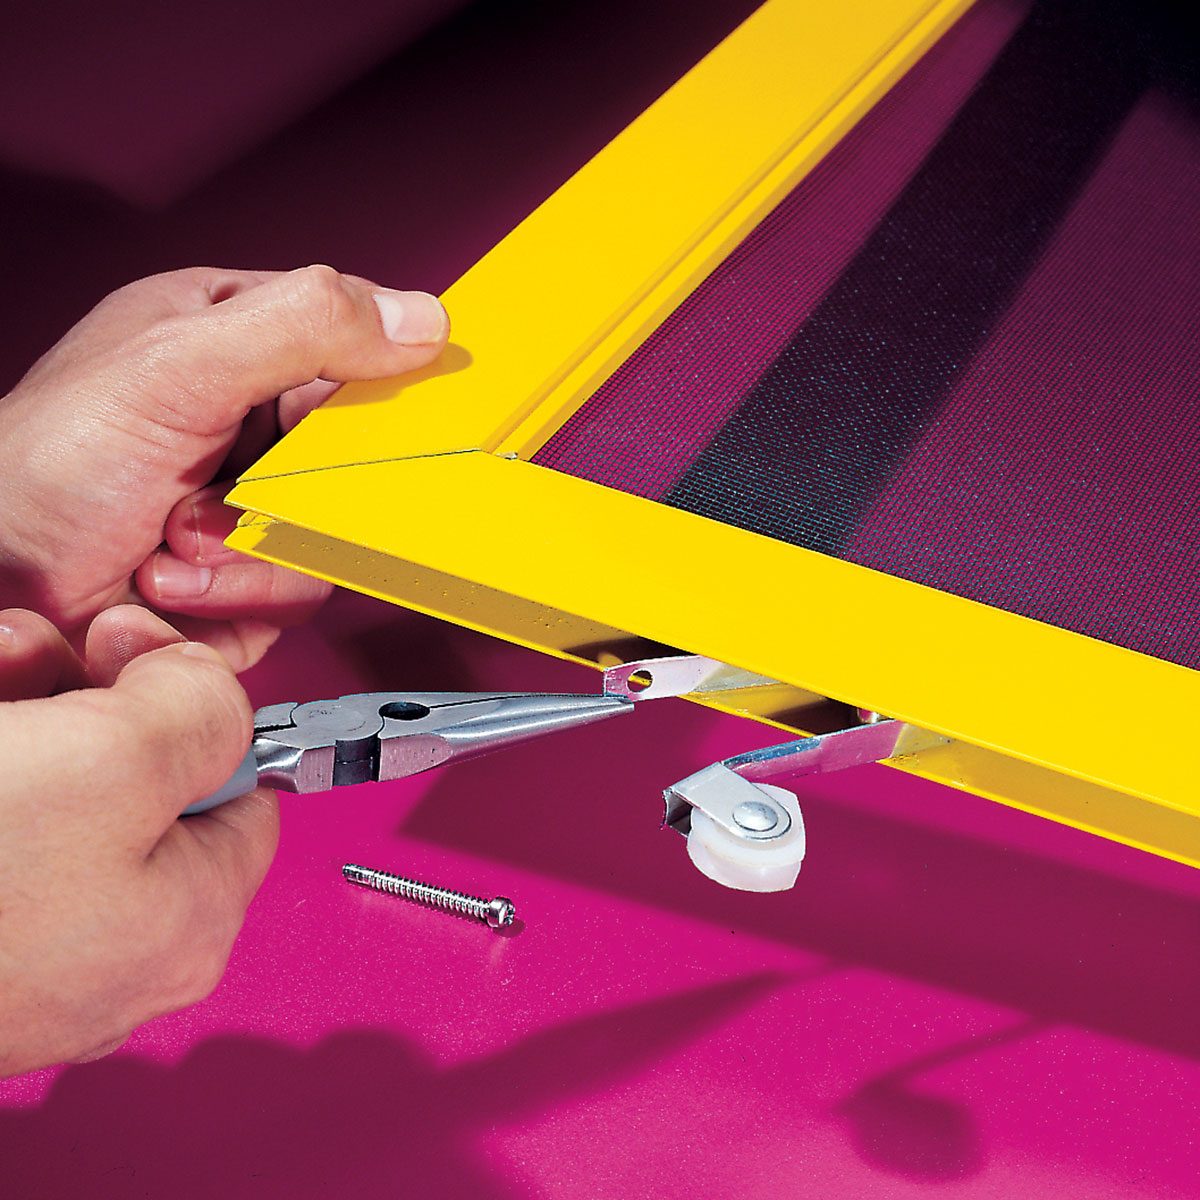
243, 1116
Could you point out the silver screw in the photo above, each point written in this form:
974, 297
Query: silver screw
497, 913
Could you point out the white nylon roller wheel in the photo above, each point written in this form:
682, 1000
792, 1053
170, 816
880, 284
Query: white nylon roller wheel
744, 864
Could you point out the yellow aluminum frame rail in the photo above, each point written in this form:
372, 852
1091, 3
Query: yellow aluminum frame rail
418, 490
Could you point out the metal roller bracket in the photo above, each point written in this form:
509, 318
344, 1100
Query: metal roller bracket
726, 791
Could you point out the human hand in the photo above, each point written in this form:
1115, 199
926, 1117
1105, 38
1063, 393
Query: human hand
111, 910
127, 434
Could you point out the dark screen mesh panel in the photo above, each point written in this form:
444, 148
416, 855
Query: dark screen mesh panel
965, 350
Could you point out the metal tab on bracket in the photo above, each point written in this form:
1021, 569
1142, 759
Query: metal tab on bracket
837, 751
679, 675
718, 789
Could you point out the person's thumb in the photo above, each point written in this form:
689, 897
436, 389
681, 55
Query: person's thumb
172, 728
119, 635
186, 723
308, 324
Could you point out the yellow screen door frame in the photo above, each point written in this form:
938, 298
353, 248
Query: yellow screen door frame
419, 490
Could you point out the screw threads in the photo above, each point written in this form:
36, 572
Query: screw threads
495, 912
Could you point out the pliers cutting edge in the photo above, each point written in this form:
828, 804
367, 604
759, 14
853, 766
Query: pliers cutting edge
375, 736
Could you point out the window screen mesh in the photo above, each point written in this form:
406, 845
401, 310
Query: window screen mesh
965, 350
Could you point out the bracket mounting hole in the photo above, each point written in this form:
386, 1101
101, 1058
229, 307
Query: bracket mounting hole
639, 681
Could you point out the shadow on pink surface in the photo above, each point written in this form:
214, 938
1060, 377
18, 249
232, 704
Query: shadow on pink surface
897, 1126
1042, 936
925, 889
1059, 941
73, 95
903, 878
1065, 945
407, 176
250, 1117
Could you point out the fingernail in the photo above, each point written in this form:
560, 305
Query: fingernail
176, 580
411, 318
210, 521
202, 650
8, 635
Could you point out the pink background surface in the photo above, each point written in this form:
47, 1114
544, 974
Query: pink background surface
145, 100
957, 999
